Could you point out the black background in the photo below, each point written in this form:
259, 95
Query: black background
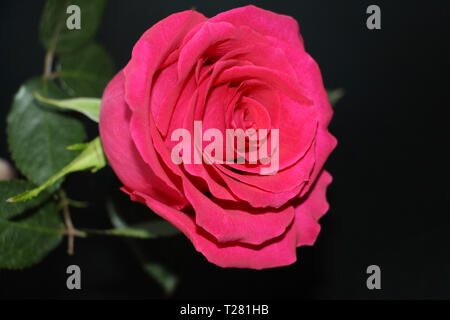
388, 198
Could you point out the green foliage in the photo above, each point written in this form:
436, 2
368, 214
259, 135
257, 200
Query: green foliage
86, 72
12, 187
91, 157
53, 32
26, 241
46, 142
90, 107
38, 135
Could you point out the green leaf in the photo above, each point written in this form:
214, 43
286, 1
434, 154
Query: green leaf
53, 32
38, 135
86, 72
90, 107
335, 95
157, 228
13, 187
92, 157
165, 278
27, 241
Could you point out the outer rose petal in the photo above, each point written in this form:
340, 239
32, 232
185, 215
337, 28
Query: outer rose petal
149, 53
121, 152
278, 252
244, 226
267, 23
325, 143
315, 202
311, 209
310, 77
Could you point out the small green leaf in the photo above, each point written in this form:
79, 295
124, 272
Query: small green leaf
166, 279
27, 241
154, 229
116, 220
91, 157
90, 107
54, 33
13, 187
38, 135
78, 146
335, 95
86, 72
163, 276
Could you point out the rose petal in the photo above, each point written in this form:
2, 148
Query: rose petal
310, 209
278, 252
121, 152
267, 23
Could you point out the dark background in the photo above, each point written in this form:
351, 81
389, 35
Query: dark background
388, 198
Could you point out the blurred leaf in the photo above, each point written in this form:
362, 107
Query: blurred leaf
166, 279
77, 203
53, 32
91, 157
27, 241
335, 95
86, 72
38, 135
90, 107
116, 220
13, 187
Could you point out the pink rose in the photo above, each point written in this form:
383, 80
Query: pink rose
244, 68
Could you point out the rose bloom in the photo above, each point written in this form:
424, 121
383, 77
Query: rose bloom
244, 68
